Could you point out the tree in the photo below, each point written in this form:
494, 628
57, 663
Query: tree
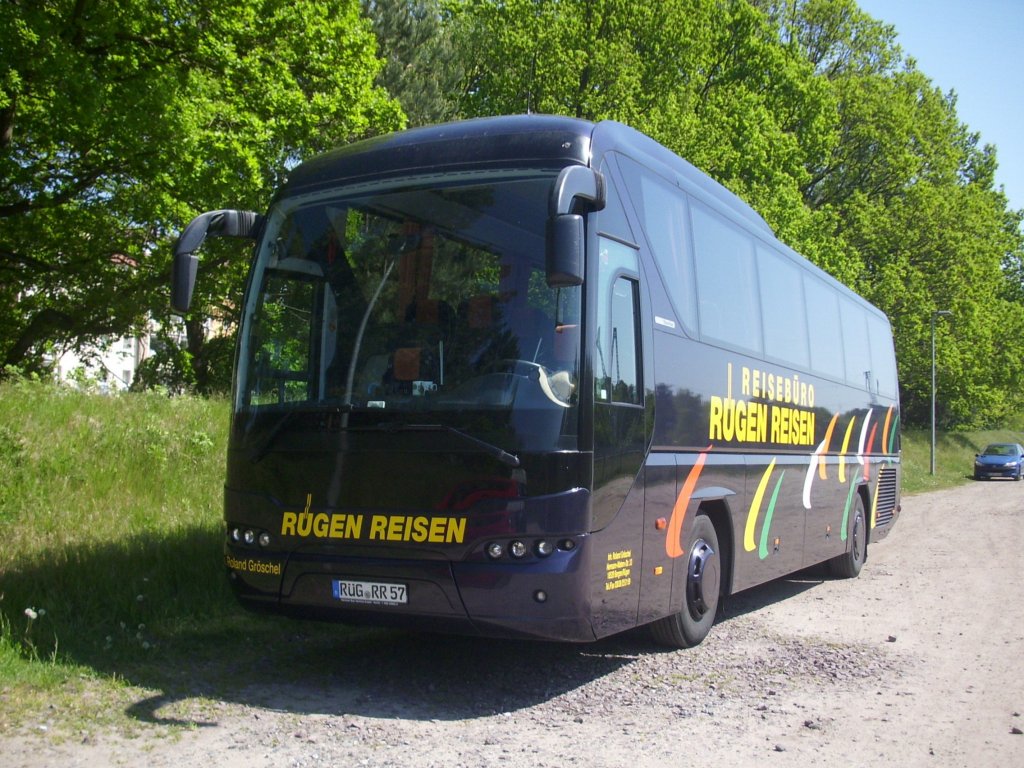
120, 120
420, 69
913, 194
710, 80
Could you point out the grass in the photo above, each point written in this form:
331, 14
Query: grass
111, 572
954, 456
112, 586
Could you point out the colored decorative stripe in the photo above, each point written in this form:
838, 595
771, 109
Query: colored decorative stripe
863, 436
849, 500
755, 507
809, 477
885, 429
845, 449
673, 545
822, 465
892, 435
768, 515
871, 441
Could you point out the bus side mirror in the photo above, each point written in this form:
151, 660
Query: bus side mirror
183, 281
565, 247
243, 224
576, 185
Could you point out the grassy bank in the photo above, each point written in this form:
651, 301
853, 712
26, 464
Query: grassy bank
111, 573
954, 456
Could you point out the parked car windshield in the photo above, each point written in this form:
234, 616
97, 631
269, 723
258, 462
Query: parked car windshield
1000, 450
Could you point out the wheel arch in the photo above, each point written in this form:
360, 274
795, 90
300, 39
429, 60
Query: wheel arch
865, 496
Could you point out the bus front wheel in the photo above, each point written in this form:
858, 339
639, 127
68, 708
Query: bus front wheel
691, 625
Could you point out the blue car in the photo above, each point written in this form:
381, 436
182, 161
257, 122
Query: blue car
999, 460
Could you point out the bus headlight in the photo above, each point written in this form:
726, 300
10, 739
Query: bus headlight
517, 549
495, 550
543, 548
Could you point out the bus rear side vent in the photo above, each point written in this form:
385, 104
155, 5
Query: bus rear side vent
886, 502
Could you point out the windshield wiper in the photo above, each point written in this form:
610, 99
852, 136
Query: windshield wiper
491, 450
263, 447
270, 437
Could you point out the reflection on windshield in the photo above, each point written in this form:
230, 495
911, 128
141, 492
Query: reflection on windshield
393, 304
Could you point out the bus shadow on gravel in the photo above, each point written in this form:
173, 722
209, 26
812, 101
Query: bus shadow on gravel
152, 618
386, 674
154, 613
335, 670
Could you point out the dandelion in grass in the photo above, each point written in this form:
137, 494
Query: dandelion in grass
32, 614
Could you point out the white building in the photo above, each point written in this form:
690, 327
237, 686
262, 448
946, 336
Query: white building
111, 364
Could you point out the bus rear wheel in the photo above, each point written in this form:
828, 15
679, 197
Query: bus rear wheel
703, 586
849, 564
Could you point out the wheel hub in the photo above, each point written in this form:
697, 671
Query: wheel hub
856, 545
702, 580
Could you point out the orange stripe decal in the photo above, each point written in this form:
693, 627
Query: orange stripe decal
673, 545
885, 429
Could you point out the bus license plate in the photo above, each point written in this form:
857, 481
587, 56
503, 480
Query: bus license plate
375, 592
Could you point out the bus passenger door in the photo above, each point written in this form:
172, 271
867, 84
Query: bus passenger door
620, 438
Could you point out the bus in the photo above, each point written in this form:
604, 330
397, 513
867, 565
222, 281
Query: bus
538, 377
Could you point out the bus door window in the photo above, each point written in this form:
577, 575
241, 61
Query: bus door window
616, 338
619, 416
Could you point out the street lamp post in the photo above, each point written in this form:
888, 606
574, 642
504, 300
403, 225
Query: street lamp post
935, 314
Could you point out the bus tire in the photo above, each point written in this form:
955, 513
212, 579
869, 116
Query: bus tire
848, 564
703, 586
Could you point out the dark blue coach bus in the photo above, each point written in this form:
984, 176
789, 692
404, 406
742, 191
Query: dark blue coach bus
539, 377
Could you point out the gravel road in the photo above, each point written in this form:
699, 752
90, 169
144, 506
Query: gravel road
919, 662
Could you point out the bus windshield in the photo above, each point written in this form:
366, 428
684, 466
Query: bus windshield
413, 304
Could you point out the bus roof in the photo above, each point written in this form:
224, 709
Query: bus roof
530, 140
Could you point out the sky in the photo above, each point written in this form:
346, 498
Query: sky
975, 48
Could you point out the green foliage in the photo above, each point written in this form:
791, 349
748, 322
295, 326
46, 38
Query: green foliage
121, 120
420, 69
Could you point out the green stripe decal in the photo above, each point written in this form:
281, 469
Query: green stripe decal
769, 513
892, 434
849, 503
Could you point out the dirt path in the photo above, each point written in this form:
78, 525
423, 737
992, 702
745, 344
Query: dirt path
919, 662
